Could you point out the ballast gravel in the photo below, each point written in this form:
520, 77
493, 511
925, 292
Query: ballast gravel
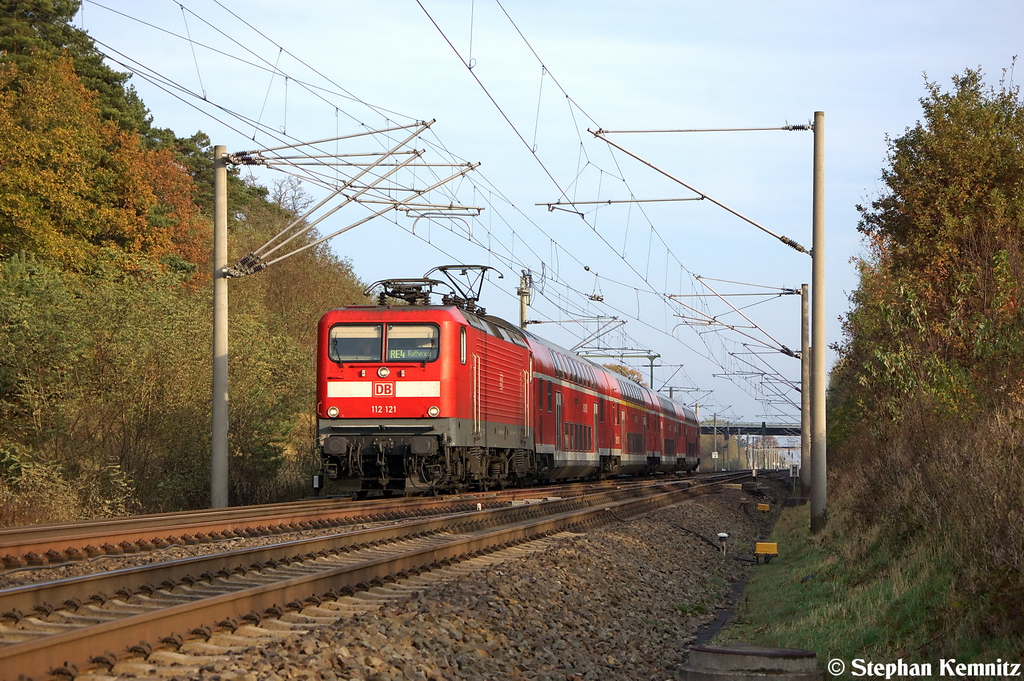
622, 601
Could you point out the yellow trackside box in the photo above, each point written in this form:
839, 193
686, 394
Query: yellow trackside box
763, 548
763, 507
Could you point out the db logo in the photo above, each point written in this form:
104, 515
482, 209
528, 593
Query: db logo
383, 389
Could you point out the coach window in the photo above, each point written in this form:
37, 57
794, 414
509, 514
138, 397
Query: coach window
412, 342
462, 345
354, 343
549, 397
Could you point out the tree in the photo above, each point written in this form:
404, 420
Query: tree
939, 298
929, 386
30, 29
104, 373
623, 370
74, 187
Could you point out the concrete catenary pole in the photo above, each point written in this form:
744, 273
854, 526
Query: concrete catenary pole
819, 484
524, 298
714, 440
651, 359
219, 411
806, 465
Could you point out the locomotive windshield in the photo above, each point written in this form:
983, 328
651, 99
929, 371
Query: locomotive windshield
355, 342
412, 342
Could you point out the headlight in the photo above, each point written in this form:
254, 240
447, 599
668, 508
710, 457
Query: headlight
332, 412
383, 372
433, 411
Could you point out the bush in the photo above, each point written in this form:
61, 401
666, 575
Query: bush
105, 384
927, 399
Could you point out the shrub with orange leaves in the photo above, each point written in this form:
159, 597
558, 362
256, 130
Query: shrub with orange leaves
73, 184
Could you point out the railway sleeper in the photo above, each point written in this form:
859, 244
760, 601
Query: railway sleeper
164, 598
186, 593
202, 647
138, 603
309, 618
9, 636
189, 657
86, 616
36, 624
278, 625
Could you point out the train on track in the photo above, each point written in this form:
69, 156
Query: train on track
415, 397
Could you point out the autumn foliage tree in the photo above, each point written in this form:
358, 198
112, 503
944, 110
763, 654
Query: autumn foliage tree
926, 423
76, 187
623, 370
938, 306
105, 290
30, 29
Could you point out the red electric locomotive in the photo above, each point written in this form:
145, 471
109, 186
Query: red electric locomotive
415, 397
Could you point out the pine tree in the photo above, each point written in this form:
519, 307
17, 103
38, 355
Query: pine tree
31, 28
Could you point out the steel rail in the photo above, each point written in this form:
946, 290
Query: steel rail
39, 657
254, 521
51, 595
19, 542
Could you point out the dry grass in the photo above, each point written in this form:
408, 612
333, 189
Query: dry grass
41, 495
923, 556
934, 503
857, 599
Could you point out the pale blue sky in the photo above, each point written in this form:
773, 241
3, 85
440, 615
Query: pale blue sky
638, 65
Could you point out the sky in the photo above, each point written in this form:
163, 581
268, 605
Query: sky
259, 74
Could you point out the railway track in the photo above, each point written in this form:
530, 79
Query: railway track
71, 624
38, 546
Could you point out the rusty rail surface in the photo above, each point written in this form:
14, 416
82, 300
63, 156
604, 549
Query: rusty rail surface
427, 543
61, 543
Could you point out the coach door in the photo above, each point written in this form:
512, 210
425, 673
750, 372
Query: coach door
623, 449
525, 434
559, 425
478, 426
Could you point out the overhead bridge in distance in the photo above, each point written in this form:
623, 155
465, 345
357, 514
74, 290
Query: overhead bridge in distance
763, 428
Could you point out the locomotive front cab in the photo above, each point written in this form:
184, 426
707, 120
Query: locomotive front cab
382, 410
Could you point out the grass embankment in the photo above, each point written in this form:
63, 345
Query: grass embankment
853, 598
